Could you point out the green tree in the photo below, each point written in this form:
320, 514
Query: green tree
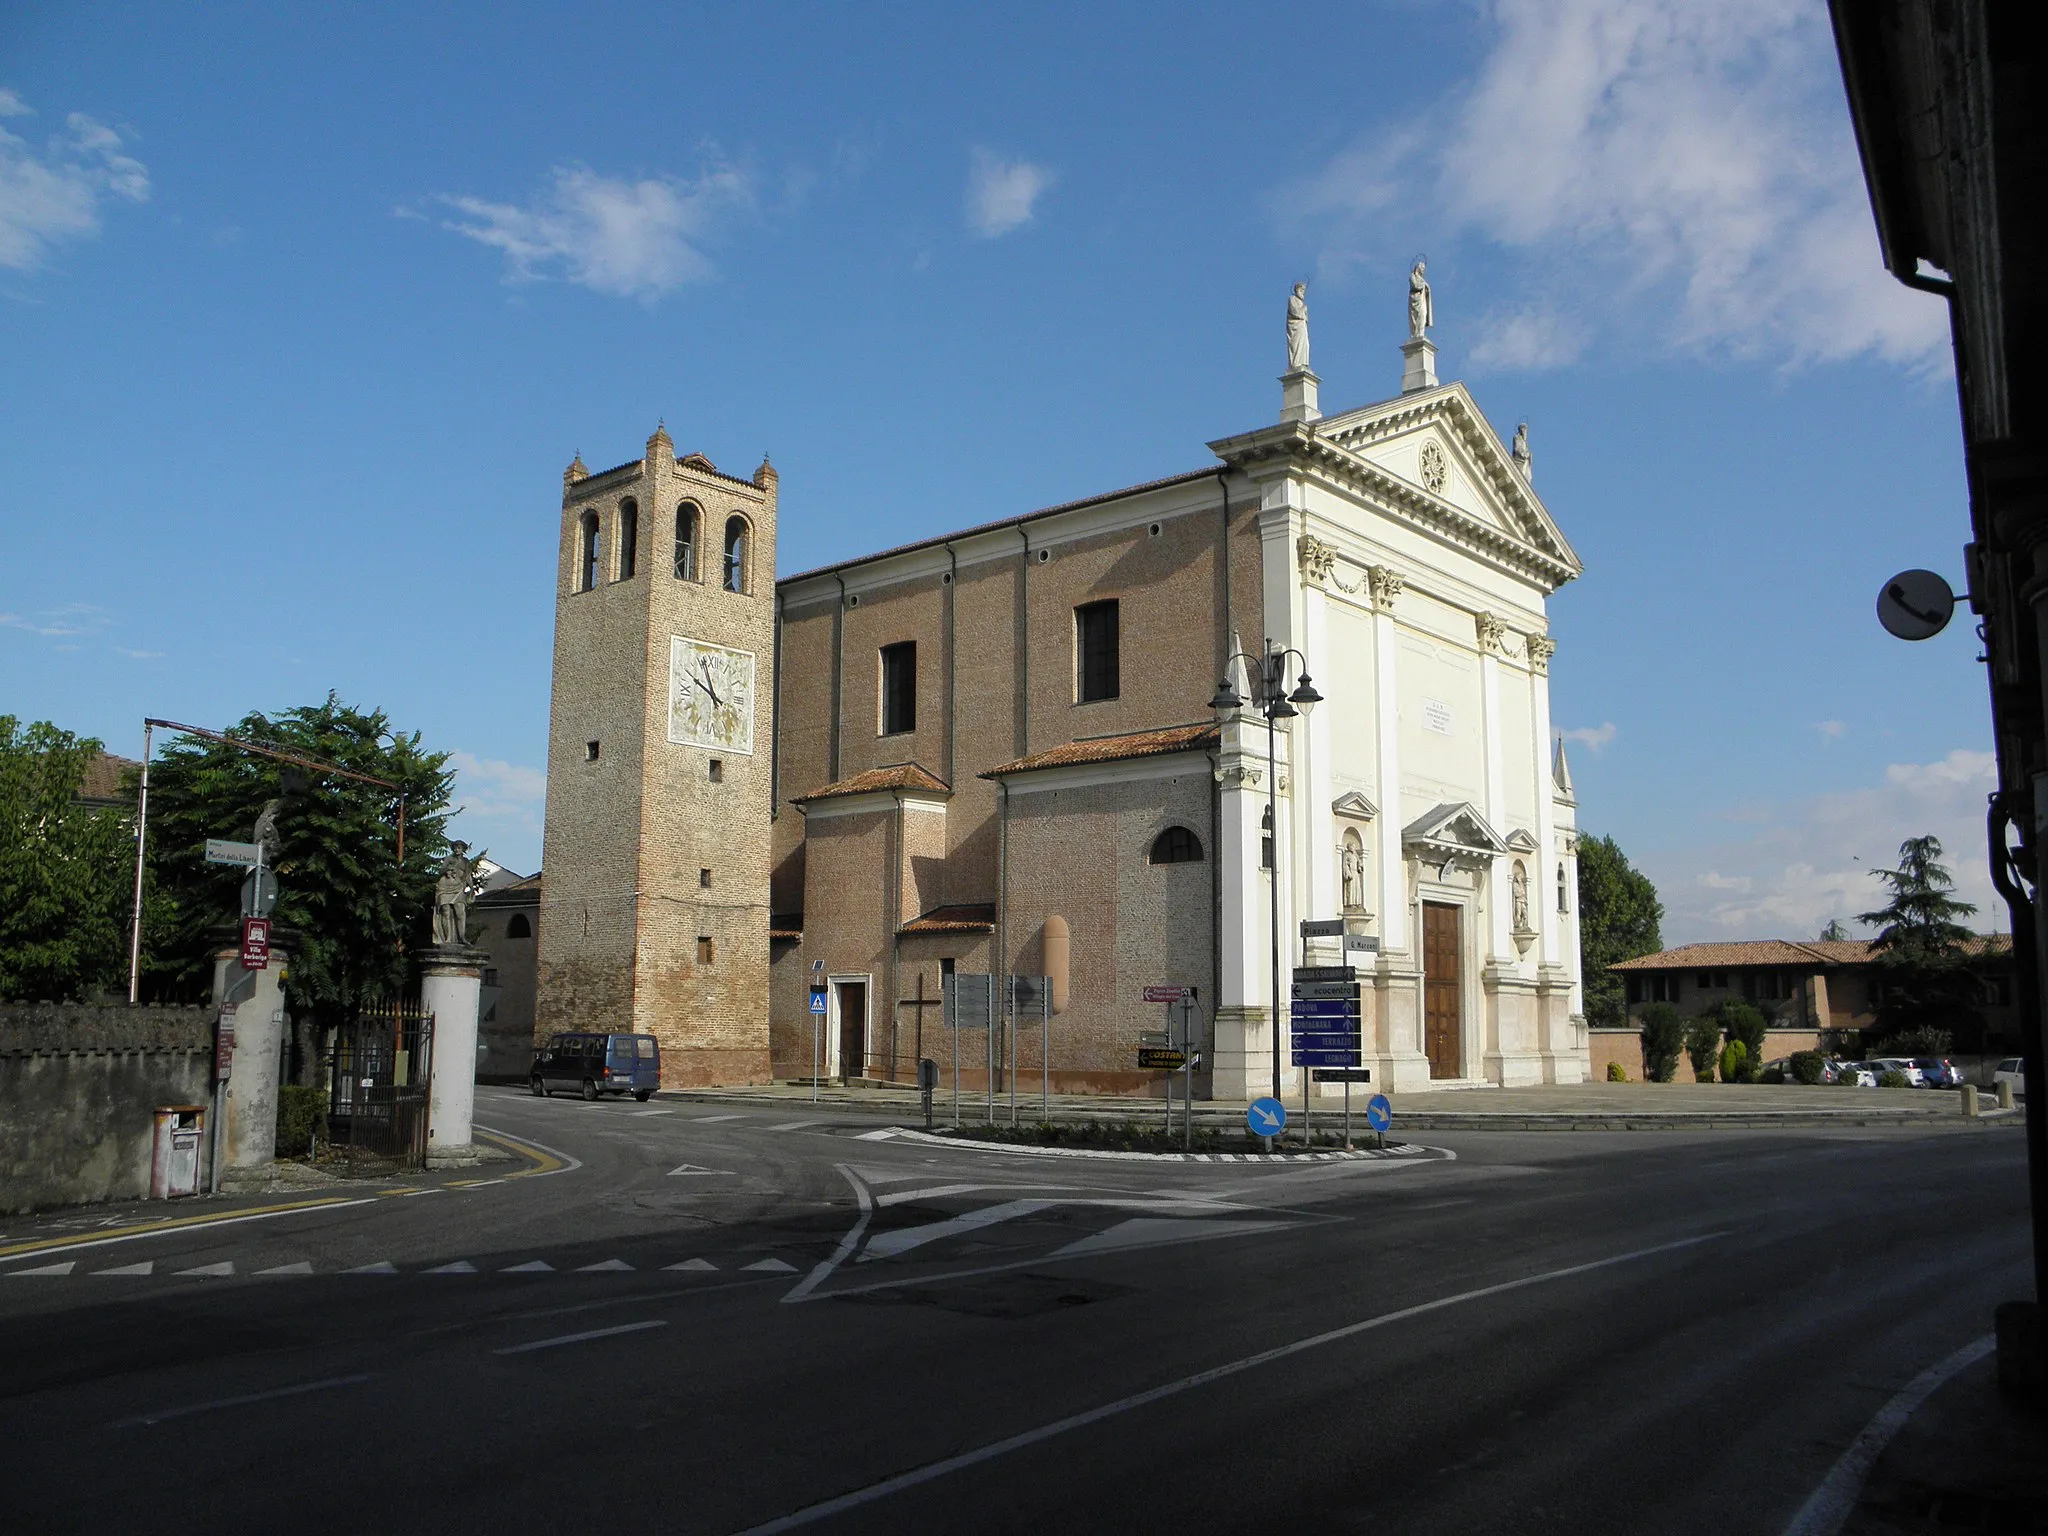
347, 910
65, 869
1834, 932
1922, 948
1619, 918
1663, 1037
1703, 1044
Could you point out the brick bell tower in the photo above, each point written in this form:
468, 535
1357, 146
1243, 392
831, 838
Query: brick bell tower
654, 910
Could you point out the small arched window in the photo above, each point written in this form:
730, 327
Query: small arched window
1176, 845
593, 549
629, 538
1563, 886
517, 927
686, 542
735, 554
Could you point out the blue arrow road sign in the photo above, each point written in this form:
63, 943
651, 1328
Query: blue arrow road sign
1321, 1010
1379, 1114
1266, 1117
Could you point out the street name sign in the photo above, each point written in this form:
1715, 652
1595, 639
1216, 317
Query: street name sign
1361, 943
220, 850
1167, 994
1266, 1117
1154, 1037
1326, 973
1325, 1008
1159, 1058
969, 1001
1331, 1058
1343, 1074
1325, 989
1316, 928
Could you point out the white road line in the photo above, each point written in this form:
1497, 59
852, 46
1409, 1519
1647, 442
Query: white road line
569, 1164
692, 1171
1831, 1504
795, 1125
47, 1269
145, 1267
578, 1338
847, 1243
713, 1119
937, 1469
642, 1114
213, 1271
146, 1419
300, 1268
890, 1244
938, 1191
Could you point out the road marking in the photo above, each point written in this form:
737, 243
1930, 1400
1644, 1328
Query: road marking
145, 1267
603, 1266
692, 1266
771, 1267
552, 1161
692, 1171
889, 1244
847, 1243
459, 1267
147, 1419
642, 1114
1147, 1232
713, 1119
381, 1267
939, 1191
215, 1271
812, 1513
300, 1268
531, 1267
176, 1224
578, 1338
48, 1269
795, 1125
884, 1135
1831, 1504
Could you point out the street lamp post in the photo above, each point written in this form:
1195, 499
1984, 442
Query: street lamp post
1276, 706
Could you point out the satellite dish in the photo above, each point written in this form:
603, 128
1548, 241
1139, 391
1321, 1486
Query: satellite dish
1915, 605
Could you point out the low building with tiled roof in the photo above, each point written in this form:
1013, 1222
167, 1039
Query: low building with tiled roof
504, 922
106, 782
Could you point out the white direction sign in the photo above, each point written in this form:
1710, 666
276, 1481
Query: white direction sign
220, 851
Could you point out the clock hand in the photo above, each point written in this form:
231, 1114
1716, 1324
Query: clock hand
704, 671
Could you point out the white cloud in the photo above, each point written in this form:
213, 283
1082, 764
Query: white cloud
1834, 730
1594, 736
1002, 194
59, 623
1803, 862
53, 196
491, 788
1679, 169
637, 239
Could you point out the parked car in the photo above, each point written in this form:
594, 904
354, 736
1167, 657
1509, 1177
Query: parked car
597, 1065
1937, 1073
1861, 1073
1899, 1064
2011, 1070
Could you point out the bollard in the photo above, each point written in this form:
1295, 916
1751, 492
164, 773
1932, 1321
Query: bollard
2005, 1096
1969, 1097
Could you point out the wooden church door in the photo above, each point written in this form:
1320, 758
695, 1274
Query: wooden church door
1442, 999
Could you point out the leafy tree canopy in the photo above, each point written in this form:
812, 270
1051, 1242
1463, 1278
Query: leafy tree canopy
347, 909
1834, 932
65, 870
1619, 919
1921, 945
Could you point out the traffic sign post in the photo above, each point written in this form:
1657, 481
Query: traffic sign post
817, 1022
255, 943
1267, 1118
1379, 1114
1327, 1017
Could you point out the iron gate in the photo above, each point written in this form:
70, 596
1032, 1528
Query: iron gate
382, 1080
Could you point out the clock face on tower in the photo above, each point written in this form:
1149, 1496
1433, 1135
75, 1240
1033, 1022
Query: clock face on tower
710, 695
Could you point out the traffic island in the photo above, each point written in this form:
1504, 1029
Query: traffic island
1121, 1139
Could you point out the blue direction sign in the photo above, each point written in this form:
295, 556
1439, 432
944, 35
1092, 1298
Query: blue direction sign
1379, 1114
1338, 1056
1318, 1008
1266, 1117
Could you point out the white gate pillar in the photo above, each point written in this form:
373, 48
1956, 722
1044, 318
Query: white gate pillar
451, 980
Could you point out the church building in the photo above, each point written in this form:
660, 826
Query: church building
1132, 742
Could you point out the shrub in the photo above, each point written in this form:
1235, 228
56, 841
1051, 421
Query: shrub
301, 1116
1735, 1063
1746, 1024
1616, 1072
1807, 1067
1922, 1040
1893, 1078
1663, 1038
1847, 1077
1703, 1044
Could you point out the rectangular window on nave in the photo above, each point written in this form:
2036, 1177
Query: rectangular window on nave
899, 688
1096, 668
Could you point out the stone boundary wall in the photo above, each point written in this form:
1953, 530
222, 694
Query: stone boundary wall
80, 1084
1626, 1047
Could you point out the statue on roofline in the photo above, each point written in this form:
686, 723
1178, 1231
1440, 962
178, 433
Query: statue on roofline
1297, 329
1421, 308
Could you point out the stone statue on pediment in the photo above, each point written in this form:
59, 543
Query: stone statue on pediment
1421, 307
1297, 329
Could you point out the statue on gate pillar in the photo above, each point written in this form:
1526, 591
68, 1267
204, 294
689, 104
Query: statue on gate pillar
451, 896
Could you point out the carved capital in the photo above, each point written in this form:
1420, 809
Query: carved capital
1541, 649
1386, 585
1239, 776
1492, 634
1316, 558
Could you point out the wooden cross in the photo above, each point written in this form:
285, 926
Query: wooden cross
920, 1003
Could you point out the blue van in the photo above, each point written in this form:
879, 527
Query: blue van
597, 1065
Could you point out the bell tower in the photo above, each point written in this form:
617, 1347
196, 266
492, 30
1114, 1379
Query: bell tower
654, 899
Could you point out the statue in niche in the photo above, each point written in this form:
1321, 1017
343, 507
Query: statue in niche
1352, 865
451, 896
1521, 451
1519, 886
1297, 329
1421, 308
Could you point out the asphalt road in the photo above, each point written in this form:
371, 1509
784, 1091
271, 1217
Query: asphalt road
694, 1317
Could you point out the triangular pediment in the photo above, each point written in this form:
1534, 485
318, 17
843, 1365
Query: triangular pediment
1451, 834
1521, 840
1351, 803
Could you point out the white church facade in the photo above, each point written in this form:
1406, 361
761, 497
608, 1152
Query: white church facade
997, 751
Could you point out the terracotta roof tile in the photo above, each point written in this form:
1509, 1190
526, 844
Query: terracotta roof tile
896, 776
1109, 749
102, 780
967, 917
1702, 957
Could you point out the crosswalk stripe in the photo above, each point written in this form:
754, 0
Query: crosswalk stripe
145, 1267
693, 1266
530, 1267
223, 1268
300, 1268
602, 1266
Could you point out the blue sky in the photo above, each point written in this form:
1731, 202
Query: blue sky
305, 310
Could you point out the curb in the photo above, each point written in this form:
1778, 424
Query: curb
1399, 1151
